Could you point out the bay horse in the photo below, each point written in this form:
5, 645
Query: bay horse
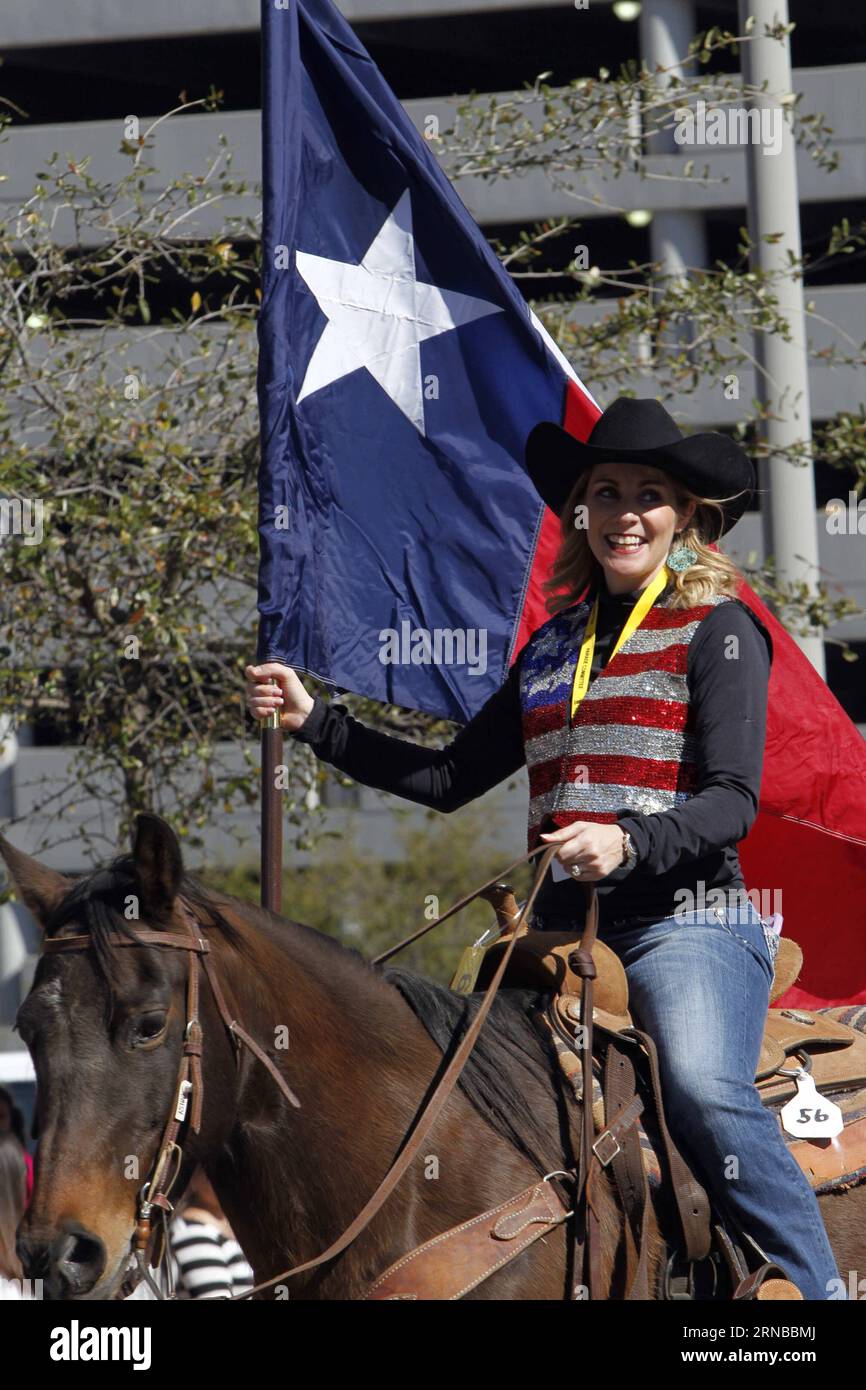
360, 1049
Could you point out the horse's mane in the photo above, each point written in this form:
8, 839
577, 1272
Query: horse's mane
97, 903
508, 1077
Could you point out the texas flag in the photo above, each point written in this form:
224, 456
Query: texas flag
402, 545
400, 373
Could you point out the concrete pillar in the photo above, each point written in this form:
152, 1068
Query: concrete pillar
677, 239
789, 513
667, 27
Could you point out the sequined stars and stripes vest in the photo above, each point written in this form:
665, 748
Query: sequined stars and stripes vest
631, 748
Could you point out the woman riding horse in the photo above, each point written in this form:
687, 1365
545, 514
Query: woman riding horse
640, 712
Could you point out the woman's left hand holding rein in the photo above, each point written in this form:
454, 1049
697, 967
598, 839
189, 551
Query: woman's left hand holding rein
595, 848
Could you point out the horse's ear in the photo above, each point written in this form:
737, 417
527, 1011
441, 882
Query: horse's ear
41, 888
158, 862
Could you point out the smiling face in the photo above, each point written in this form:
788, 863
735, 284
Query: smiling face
637, 505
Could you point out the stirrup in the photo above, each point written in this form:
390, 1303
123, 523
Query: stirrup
699, 1282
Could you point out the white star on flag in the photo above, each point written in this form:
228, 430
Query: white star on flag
379, 314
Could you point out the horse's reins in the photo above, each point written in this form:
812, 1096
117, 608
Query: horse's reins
189, 1087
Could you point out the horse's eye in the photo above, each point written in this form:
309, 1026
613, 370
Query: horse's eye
147, 1027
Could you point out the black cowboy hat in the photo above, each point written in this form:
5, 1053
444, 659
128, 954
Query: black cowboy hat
641, 431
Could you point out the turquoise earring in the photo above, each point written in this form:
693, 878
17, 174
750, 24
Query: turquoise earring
681, 558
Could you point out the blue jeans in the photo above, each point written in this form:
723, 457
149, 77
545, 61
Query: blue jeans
699, 984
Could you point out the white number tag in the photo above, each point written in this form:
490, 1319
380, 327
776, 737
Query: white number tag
809, 1115
180, 1111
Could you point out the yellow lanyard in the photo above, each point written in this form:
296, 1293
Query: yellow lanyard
587, 647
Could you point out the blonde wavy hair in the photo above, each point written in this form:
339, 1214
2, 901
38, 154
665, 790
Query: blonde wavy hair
712, 573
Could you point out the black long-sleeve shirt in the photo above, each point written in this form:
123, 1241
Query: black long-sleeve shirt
676, 849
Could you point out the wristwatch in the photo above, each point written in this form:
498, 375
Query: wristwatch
629, 853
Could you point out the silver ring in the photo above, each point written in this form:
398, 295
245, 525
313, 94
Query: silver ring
575, 871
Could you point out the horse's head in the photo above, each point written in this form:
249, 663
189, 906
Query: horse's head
105, 1028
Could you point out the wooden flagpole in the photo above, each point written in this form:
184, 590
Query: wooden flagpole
272, 815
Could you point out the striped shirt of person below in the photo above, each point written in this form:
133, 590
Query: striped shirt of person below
206, 1262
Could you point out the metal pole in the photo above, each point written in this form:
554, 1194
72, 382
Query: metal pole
271, 889
789, 513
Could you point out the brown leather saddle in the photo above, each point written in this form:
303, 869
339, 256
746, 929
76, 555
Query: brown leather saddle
794, 1039
833, 1052
621, 1068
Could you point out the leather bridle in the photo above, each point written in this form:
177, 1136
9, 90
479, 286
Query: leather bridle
189, 1089
189, 1085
